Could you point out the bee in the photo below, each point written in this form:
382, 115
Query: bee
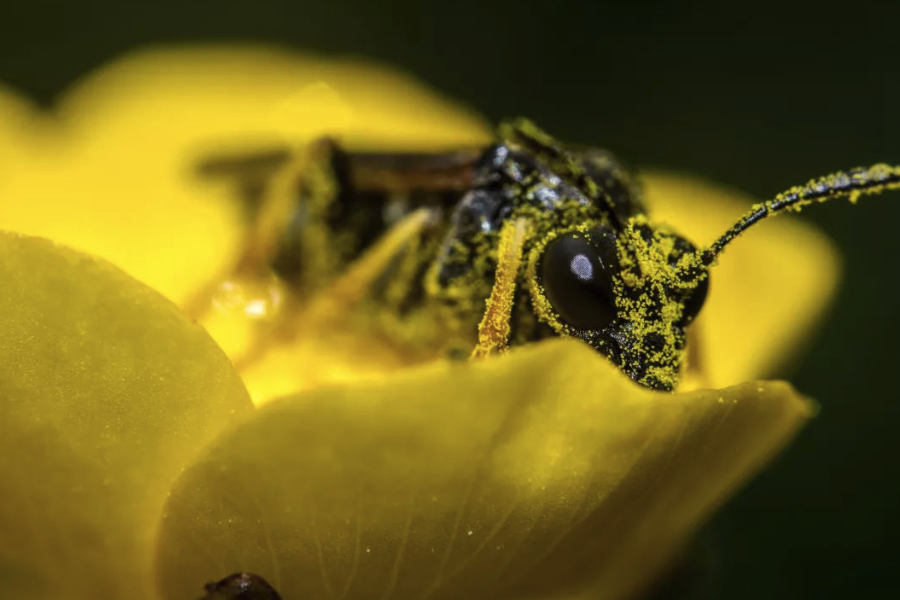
486, 248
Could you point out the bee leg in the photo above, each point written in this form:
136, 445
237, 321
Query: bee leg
247, 307
494, 329
340, 296
272, 178
289, 276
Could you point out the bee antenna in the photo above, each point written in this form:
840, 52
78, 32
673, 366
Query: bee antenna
851, 184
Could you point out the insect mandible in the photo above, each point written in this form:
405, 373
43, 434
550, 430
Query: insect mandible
483, 249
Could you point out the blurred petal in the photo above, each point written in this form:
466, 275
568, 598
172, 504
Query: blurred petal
247, 95
543, 472
107, 392
325, 358
770, 288
20, 128
118, 181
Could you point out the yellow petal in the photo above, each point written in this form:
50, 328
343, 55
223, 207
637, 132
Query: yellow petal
538, 473
21, 129
213, 95
117, 180
106, 392
324, 358
770, 288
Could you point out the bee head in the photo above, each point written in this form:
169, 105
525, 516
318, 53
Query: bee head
629, 294
630, 288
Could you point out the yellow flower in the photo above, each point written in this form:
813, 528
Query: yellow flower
133, 463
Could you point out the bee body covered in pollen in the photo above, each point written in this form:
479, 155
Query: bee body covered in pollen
473, 251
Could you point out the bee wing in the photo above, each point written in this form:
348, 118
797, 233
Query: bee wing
404, 173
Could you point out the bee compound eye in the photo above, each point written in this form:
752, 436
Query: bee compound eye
577, 283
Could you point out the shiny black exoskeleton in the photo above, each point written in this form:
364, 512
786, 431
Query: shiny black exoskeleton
240, 586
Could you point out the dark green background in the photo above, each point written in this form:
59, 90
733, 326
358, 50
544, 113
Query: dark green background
761, 96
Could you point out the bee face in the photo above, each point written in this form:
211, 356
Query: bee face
594, 267
629, 294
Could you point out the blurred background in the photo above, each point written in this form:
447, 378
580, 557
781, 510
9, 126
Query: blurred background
759, 96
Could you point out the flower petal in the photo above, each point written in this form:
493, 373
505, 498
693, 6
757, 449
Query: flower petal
20, 128
118, 181
770, 288
252, 94
537, 472
106, 393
